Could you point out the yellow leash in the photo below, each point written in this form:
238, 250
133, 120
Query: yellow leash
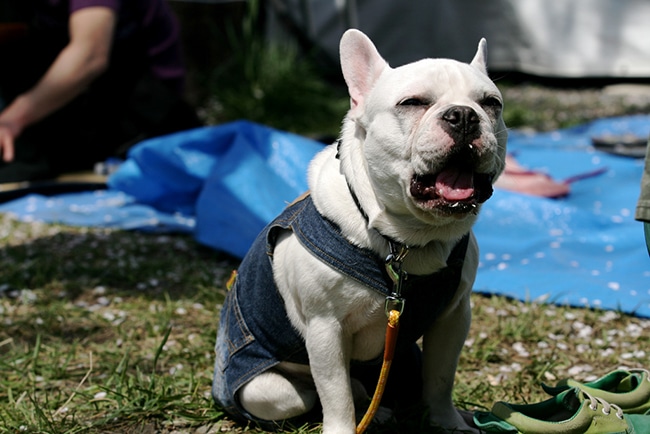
394, 308
391, 339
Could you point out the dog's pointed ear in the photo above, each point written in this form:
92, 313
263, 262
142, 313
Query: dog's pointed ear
480, 58
361, 64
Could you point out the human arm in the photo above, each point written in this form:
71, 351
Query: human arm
79, 63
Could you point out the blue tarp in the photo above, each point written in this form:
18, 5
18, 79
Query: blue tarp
583, 250
224, 183
232, 178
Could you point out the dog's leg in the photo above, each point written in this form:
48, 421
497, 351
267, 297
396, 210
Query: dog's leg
274, 396
313, 294
441, 348
329, 350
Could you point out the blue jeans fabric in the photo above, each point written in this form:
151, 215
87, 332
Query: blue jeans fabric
255, 332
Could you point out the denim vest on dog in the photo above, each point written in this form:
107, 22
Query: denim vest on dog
254, 330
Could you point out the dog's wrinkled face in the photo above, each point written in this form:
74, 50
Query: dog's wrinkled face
450, 152
440, 128
433, 135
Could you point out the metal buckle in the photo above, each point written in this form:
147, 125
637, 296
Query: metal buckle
397, 275
394, 303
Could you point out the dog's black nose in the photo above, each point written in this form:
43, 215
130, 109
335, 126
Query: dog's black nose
462, 119
462, 124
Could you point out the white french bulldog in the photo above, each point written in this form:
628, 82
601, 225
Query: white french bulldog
419, 150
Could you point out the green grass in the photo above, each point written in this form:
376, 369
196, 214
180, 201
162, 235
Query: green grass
273, 84
105, 330
113, 332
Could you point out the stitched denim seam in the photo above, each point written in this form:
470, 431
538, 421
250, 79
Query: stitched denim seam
248, 337
345, 268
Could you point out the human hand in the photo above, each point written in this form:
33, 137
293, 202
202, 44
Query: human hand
7, 136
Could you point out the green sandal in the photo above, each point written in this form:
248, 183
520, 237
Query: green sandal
628, 389
570, 412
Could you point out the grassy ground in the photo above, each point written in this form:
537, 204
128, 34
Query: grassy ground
112, 332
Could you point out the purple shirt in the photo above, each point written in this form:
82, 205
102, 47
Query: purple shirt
151, 20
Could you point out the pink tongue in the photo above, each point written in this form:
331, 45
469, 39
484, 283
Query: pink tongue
454, 184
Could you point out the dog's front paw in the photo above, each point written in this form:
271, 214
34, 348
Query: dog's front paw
335, 428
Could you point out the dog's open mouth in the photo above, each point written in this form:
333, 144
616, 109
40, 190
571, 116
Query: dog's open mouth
455, 189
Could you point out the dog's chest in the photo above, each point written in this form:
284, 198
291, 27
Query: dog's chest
368, 343
366, 322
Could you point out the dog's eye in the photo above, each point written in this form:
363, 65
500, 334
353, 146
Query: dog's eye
491, 102
413, 102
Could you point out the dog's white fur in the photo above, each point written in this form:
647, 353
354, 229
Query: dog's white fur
383, 144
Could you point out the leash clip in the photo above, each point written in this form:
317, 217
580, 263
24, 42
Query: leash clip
394, 303
394, 261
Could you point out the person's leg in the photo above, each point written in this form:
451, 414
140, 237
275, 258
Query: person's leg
642, 212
